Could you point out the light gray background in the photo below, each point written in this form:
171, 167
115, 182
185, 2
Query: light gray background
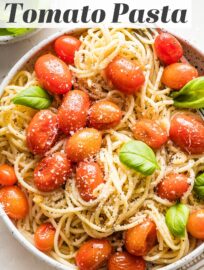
12, 254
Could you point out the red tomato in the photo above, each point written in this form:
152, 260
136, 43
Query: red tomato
150, 132
125, 75
177, 75
88, 177
42, 132
73, 112
196, 224
93, 254
65, 48
187, 131
104, 115
7, 175
14, 202
44, 237
53, 74
126, 261
52, 172
140, 239
83, 144
168, 48
173, 186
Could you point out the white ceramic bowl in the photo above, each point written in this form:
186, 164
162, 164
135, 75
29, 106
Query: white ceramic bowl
12, 39
193, 55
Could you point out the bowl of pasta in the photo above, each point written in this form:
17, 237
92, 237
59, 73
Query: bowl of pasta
102, 150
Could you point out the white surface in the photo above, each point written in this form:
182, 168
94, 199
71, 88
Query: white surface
12, 254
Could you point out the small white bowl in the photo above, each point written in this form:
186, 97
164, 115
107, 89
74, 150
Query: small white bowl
13, 39
189, 260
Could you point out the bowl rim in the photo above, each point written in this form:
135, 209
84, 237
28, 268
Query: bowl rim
10, 225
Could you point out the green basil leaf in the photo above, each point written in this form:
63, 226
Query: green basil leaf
18, 31
199, 186
4, 32
138, 156
177, 218
34, 97
191, 95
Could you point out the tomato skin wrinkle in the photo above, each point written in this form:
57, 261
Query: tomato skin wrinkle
66, 47
126, 261
125, 75
168, 48
53, 74
173, 186
44, 237
150, 132
14, 202
140, 239
88, 177
42, 132
93, 254
187, 132
73, 112
7, 175
52, 172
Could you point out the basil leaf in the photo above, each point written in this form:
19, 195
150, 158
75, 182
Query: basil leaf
18, 31
34, 97
177, 218
191, 95
138, 156
4, 32
199, 186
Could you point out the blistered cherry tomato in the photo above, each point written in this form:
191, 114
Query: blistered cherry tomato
44, 237
83, 144
65, 48
88, 177
73, 112
150, 132
7, 175
175, 76
14, 202
196, 224
173, 186
104, 115
187, 132
140, 239
125, 75
93, 254
42, 132
126, 261
52, 172
53, 74
168, 48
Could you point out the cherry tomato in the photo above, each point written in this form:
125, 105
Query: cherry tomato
53, 74
73, 112
7, 175
173, 186
150, 132
14, 202
126, 261
65, 48
196, 224
187, 132
140, 239
52, 172
93, 254
104, 115
42, 132
44, 237
88, 177
125, 75
168, 48
177, 75
83, 144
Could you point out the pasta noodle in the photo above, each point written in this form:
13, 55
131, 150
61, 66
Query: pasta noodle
127, 197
